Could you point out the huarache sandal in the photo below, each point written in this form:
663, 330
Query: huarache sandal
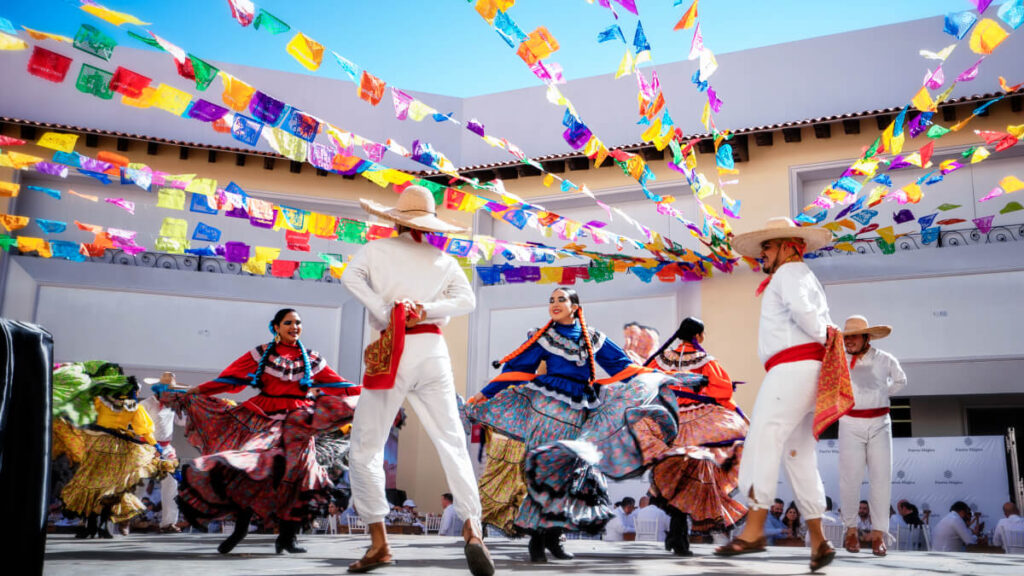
822, 556
738, 547
368, 562
478, 558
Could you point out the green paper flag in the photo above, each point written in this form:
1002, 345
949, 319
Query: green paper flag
6, 242
436, 189
1011, 207
146, 40
885, 247
602, 272
176, 228
937, 131
95, 81
270, 23
171, 198
948, 206
312, 270
352, 231
204, 71
92, 41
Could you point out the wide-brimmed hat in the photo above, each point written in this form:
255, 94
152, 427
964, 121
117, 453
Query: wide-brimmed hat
409, 503
749, 243
859, 325
416, 209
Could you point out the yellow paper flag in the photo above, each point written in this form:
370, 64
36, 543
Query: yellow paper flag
19, 160
145, 99
550, 275
29, 244
1011, 184
705, 116
307, 51
171, 99
12, 222
986, 36
112, 16
913, 192
887, 234
237, 94
923, 100
38, 35
979, 155
472, 203
55, 141
688, 18
652, 131
174, 228
9, 189
896, 143
418, 110
8, 42
1017, 131
205, 186
626, 66
548, 180
171, 198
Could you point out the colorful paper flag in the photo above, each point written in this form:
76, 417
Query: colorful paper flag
987, 36
55, 141
371, 88
306, 51
91, 41
48, 65
689, 17
112, 16
267, 21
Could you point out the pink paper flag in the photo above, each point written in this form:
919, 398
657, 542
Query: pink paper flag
402, 103
935, 78
127, 205
984, 223
971, 73
996, 192
697, 45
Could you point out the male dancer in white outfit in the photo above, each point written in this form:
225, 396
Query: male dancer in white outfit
865, 433
164, 420
793, 330
405, 280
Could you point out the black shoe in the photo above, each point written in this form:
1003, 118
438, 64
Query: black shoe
89, 530
286, 539
678, 539
242, 520
553, 542
537, 554
104, 533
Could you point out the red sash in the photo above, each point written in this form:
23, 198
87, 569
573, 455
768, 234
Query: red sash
382, 356
809, 351
868, 413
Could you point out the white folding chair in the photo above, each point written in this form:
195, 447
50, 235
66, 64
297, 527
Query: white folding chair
433, 524
834, 533
646, 530
356, 525
227, 527
1014, 541
911, 538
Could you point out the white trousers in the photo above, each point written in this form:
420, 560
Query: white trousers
168, 490
425, 378
782, 434
865, 442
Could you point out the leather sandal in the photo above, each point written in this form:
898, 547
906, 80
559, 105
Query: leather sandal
851, 542
822, 556
368, 562
478, 558
878, 547
738, 547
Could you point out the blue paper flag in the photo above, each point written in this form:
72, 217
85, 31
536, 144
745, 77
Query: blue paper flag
883, 179
67, 250
210, 251
97, 175
206, 233
301, 125
1012, 13
6, 26
929, 235
640, 39
516, 218
864, 217
509, 30
442, 117
48, 191
568, 186
724, 157
246, 130
959, 23
67, 158
201, 204
51, 226
644, 274
701, 86
926, 221
611, 33
846, 183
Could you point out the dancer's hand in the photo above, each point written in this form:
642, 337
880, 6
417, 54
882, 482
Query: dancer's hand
476, 398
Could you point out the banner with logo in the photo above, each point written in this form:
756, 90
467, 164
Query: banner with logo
931, 473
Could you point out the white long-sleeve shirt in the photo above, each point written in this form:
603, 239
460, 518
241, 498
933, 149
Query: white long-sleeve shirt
952, 534
876, 376
399, 268
793, 311
163, 419
1011, 522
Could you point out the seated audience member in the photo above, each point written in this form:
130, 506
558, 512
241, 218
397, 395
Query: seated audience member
953, 533
1012, 521
451, 524
830, 518
773, 527
622, 522
792, 525
653, 514
864, 520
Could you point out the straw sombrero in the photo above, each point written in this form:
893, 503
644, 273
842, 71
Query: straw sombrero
859, 325
749, 243
416, 209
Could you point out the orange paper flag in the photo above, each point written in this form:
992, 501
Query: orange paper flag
986, 36
689, 18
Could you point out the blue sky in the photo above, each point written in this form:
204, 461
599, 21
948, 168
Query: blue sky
445, 47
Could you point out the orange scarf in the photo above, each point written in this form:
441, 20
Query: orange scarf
835, 392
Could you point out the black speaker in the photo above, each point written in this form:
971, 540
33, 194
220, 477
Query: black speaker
26, 378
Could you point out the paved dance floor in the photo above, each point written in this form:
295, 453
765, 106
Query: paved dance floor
195, 555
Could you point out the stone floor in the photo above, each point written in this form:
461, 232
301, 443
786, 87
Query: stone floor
195, 555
